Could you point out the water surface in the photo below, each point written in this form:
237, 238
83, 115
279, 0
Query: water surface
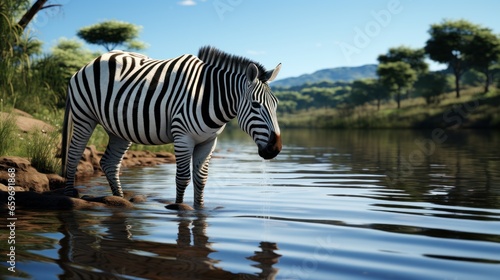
333, 205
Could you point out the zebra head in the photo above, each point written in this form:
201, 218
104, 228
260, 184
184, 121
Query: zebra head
257, 111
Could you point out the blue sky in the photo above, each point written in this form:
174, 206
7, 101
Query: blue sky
304, 35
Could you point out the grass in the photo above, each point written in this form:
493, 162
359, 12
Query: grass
414, 113
41, 149
8, 131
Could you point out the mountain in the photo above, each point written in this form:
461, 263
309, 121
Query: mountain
346, 74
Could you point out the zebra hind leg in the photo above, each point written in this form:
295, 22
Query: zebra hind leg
80, 136
111, 162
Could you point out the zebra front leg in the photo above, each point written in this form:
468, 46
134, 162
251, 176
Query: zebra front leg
201, 158
112, 160
183, 152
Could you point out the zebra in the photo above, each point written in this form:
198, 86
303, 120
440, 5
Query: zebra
186, 101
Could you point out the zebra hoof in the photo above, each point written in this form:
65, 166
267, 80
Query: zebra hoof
179, 207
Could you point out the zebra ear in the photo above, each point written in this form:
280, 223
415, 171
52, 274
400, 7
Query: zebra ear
252, 72
271, 74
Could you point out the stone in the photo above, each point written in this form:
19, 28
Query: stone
56, 181
179, 207
112, 200
138, 198
26, 176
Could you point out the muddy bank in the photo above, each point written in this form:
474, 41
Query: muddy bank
36, 190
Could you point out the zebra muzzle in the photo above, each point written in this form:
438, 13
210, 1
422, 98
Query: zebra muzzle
273, 147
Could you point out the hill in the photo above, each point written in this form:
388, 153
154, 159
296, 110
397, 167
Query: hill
345, 74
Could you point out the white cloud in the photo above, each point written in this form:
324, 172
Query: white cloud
187, 3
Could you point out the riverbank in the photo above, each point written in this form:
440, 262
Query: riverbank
473, 109
35, 188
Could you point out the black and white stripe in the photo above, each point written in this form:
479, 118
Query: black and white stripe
185, 100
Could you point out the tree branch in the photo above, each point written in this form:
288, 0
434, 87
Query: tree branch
30, 14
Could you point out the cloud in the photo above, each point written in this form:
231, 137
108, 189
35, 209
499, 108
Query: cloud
254, 52
187, 3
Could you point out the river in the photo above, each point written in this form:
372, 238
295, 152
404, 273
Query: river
339, 204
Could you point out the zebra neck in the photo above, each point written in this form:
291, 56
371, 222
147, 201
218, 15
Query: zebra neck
222, 96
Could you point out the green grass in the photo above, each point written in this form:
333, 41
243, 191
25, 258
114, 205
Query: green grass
41, 149
414, 113
8, 134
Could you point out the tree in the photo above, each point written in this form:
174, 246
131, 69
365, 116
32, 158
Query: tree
30, 14
396, 76
430, 86
414, 57
484, 54
111, 34
366, 90
450, 44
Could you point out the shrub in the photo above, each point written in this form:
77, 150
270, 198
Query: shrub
8, 131
41, 150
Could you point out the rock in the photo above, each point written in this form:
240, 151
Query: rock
5, 188
54, 201
114, 201
138, 198
179, 207
26, 176
90, 154
84, 169
56, 181
25, 122
33, 200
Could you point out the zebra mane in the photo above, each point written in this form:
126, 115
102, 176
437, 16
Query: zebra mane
215, 57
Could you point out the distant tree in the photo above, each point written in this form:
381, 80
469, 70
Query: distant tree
111, 34
321, 97
431, 86
397, 77
450, 44
296, 99
360, 92
414, 57
56, 68
70, 55
366, 90
484, 54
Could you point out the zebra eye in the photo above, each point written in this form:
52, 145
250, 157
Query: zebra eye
255, 104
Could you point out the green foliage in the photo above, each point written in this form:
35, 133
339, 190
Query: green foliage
111, 34
414, 57
363, 91
484, 54
431, 86
396, 76
41, 150
8, 130
450, 44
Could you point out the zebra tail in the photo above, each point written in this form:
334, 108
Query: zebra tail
67, 131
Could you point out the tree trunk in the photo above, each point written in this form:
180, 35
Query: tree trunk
457, 84
30, 14
487, 82
398, 97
